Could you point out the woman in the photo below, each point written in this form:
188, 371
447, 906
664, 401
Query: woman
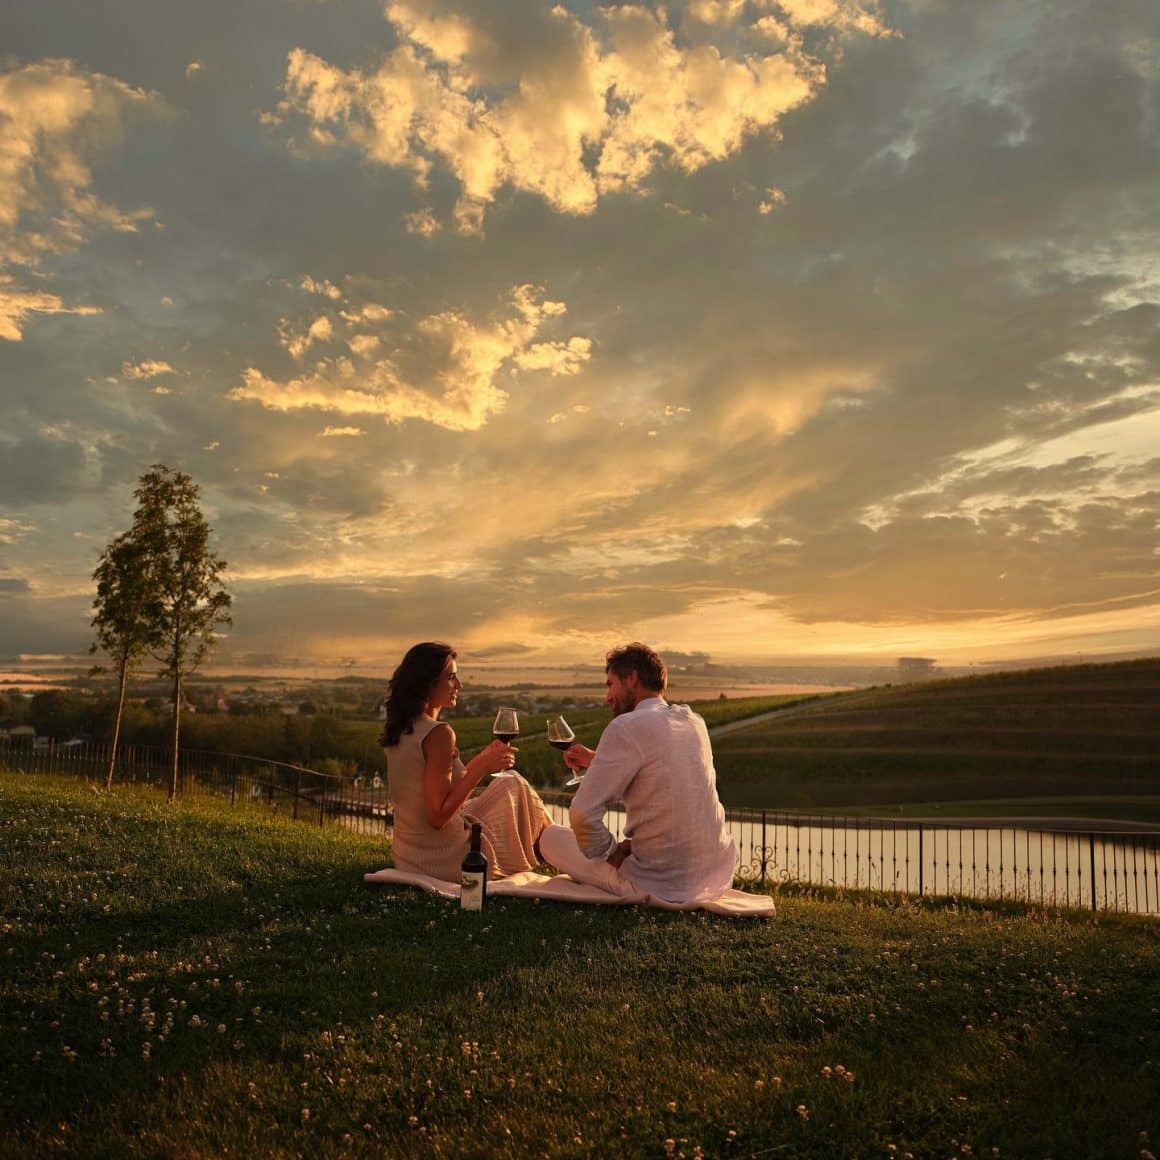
430, 786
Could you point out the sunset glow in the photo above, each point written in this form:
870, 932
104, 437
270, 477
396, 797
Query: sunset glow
813, 329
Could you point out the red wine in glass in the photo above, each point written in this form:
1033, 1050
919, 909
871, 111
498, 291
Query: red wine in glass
507, 725
561, 737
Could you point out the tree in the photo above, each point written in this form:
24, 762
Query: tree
125, 618
187, 601
58, 713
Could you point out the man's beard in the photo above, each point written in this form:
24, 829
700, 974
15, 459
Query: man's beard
624, 706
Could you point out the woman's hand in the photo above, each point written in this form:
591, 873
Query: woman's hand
495, 758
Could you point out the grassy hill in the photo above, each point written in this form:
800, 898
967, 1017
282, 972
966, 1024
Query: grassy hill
1068, 733
196, 982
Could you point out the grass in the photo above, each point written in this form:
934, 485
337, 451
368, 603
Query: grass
200, 982
1079, 731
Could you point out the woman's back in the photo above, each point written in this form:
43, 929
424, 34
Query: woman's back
417, 845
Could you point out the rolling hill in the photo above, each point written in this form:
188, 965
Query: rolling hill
1077, 732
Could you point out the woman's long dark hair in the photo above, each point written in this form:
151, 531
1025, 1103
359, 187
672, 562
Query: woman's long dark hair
410, 686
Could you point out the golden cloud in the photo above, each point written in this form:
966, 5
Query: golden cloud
53, 117
457, 359
596, 112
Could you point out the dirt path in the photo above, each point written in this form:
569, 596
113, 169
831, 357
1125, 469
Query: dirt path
789, 711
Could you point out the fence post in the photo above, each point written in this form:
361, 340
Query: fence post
297, 790
1092, 857
921, 879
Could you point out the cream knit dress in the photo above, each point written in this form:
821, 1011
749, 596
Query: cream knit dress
509, 810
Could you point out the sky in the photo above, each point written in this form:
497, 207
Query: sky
802, 329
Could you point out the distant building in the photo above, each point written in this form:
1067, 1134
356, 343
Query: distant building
916, 668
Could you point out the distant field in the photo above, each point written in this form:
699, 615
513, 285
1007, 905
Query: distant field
1080, 732
545, 767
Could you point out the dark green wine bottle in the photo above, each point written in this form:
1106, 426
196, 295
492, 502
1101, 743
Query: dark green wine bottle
473, 874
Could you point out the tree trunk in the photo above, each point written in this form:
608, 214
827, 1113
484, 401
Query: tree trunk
176, 731
124, 681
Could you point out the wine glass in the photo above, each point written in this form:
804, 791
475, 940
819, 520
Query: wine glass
561, 737
506, 727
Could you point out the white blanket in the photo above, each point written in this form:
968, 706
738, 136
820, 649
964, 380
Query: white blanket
561, 888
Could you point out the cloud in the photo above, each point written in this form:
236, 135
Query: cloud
594, 110
321, 286
843, 15
12, 530
559, 358
54, 118
860, 340
149, 369
44, 466
563, 416
443, 369
321, 329
422, 222
17, 302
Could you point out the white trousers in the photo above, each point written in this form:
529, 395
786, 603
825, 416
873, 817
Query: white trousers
558, 846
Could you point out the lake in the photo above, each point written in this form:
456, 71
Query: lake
1088, 868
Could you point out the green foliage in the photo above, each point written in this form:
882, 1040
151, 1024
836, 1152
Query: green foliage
56, 713
211, 983
188, 602
181, 601
1069, 731
126, 617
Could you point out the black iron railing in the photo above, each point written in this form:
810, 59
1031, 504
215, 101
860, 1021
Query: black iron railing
1104, 869
1091, 867
358, 802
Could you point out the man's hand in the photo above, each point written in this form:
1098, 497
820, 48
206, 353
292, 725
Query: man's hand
622, 851
578, 756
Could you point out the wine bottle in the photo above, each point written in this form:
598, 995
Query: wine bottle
473, 873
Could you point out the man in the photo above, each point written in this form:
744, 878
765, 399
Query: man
656, 758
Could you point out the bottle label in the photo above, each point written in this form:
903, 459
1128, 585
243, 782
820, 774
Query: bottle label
471, 890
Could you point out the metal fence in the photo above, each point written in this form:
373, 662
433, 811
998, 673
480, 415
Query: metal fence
357, 802
1029, 862
1115, 870
1101, 869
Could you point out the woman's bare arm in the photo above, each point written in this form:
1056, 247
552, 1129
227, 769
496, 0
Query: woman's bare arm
444, 792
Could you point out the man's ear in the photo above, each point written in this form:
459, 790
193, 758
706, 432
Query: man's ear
632, 680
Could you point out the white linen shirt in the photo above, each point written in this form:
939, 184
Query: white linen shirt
658, 761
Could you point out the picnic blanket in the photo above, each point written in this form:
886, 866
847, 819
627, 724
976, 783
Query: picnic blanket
561, 888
